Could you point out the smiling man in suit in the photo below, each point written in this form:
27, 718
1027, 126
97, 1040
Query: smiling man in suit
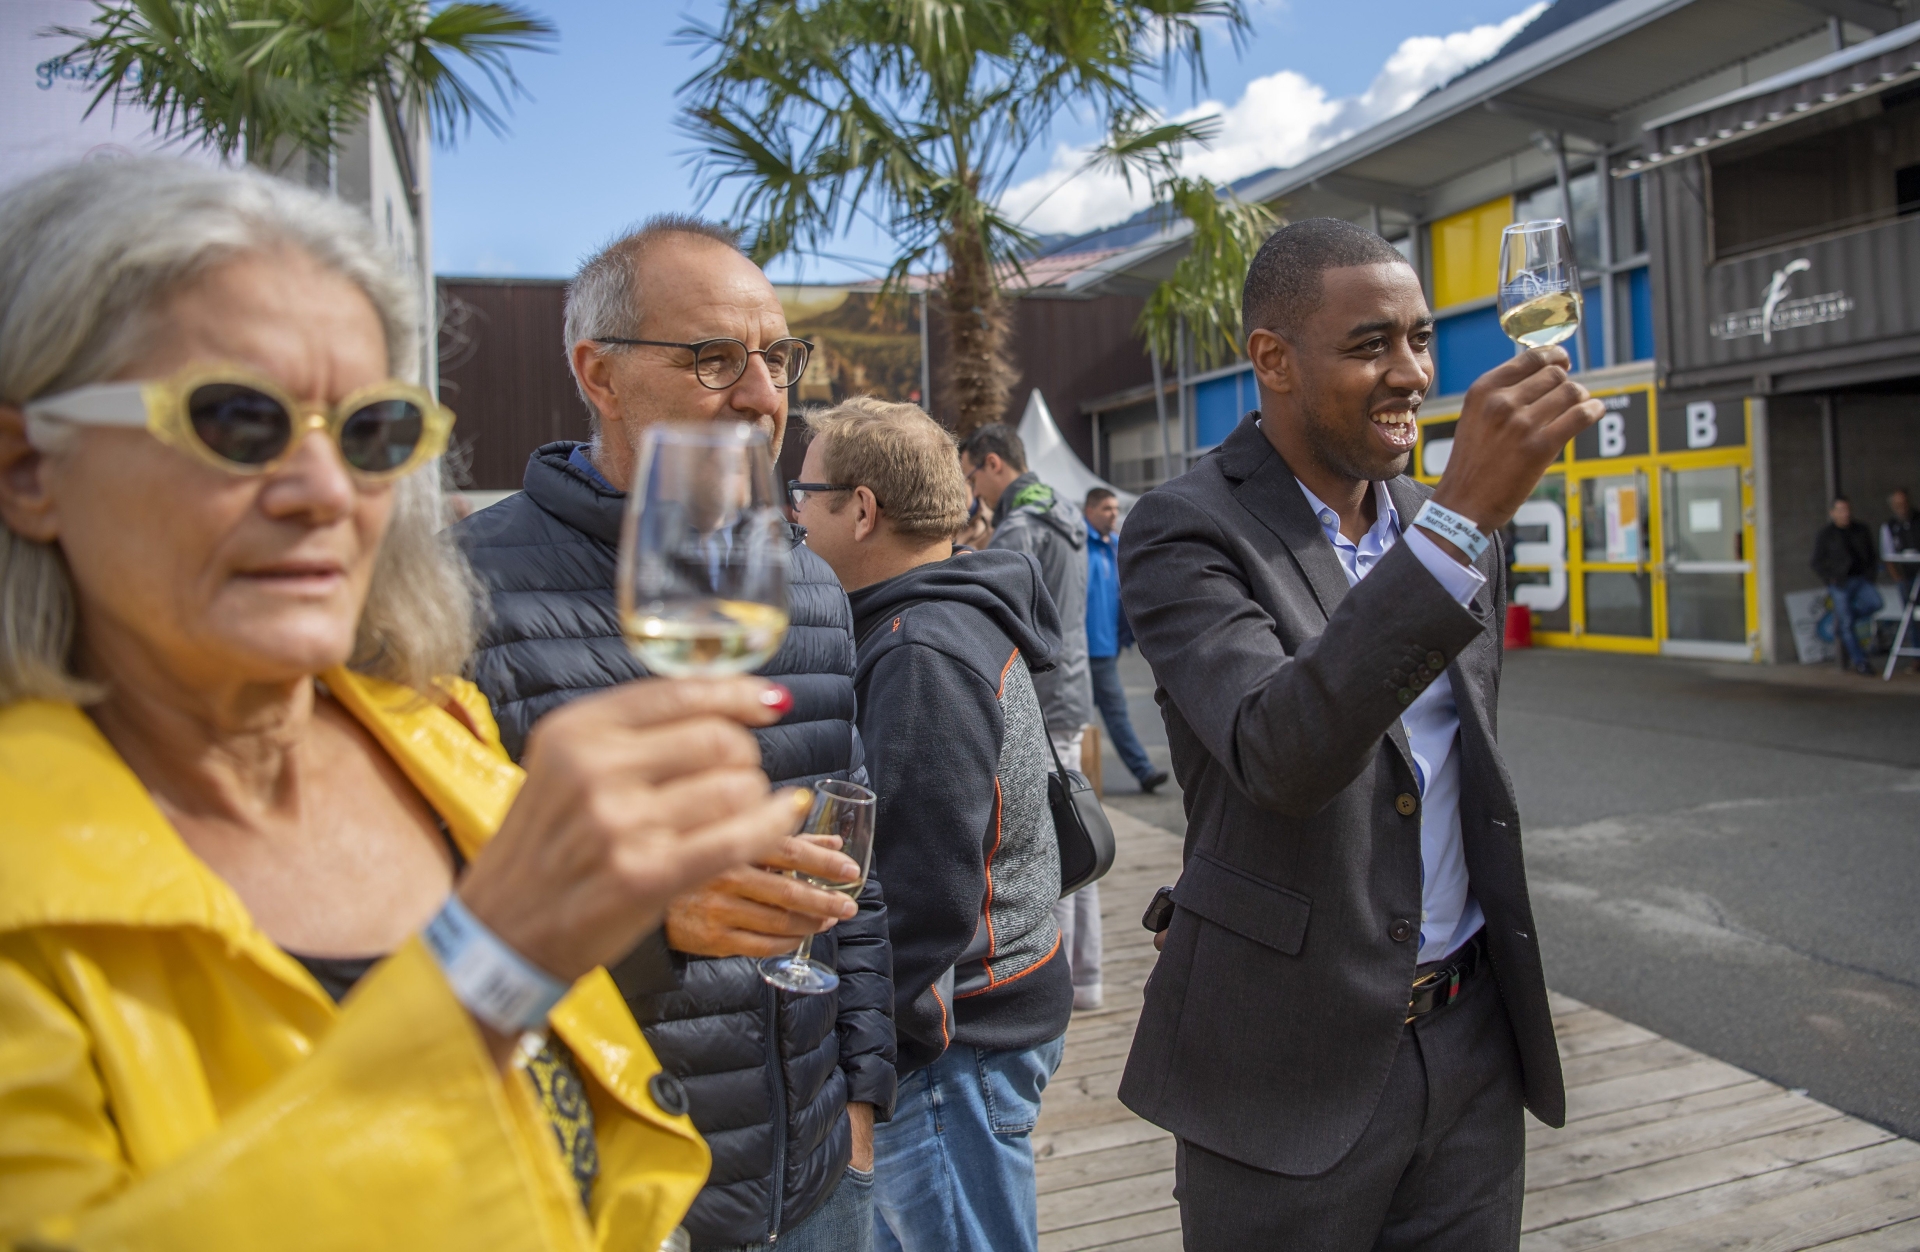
1349, 1013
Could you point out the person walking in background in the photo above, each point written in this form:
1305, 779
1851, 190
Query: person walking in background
785, 1088
1108, 635
1843, 557
964, 836
1349, 1013
1030, 516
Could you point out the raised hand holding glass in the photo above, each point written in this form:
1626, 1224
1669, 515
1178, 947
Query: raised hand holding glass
1539, 283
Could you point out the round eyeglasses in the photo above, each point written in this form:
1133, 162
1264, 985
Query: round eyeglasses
719, 363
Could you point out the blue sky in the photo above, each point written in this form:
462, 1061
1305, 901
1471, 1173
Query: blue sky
595, 146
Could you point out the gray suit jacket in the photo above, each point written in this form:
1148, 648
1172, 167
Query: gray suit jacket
1274, 1013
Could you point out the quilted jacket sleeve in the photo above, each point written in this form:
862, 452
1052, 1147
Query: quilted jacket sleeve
865, 963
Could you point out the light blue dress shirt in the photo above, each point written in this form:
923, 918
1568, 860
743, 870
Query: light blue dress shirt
1448, 912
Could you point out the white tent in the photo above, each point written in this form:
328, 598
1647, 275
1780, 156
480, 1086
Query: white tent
1051, 458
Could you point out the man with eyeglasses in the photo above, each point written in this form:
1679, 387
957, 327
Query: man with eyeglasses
671, 323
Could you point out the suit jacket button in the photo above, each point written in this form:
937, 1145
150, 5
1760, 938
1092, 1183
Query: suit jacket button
1404, 695
1401, 930
669, 1093
1436, 662
1404, 804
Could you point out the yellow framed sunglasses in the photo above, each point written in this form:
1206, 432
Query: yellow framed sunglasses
236, 420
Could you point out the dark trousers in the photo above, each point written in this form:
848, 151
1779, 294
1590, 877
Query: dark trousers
1440, 1168
1111, 697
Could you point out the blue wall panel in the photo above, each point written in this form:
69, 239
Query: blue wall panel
1640, 309
1466, 346
1220, 403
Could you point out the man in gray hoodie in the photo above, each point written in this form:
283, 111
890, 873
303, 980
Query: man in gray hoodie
1031, 517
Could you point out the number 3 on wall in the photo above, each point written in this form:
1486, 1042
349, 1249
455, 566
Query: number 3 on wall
1550, 553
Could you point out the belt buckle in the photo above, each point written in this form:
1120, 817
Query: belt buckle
1427, 982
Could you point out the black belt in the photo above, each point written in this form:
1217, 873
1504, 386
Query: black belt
1440, 987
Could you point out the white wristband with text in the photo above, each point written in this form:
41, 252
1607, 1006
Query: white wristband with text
495, 983
1461, 532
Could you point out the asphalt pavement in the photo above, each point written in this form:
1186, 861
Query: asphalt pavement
1726, 855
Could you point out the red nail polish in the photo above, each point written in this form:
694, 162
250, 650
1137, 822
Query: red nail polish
778, 698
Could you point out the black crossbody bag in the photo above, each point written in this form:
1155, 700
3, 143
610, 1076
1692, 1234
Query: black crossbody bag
1080, 824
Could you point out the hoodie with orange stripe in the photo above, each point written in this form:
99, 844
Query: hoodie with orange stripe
964, 839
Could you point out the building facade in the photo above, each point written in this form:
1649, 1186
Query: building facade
1734, 174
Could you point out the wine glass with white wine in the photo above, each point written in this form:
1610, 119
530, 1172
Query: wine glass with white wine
1539, 283
702, 581
842, 816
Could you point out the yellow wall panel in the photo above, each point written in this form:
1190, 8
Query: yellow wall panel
1466, 252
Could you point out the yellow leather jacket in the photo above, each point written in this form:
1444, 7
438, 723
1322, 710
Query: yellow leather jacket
170, 1079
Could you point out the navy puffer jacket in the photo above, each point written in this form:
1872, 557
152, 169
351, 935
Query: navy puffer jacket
743, 1049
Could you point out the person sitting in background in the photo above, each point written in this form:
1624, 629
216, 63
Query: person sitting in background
1900, 533
785, 1087
963, 837
1843, 558
239, 778
1108, 635
1030, 516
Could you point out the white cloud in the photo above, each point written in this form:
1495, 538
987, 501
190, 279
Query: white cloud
1280, 120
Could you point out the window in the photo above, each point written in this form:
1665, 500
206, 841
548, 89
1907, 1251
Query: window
1544, 202
1852, 166
1630, 217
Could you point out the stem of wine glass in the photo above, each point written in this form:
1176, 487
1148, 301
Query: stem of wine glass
804, 952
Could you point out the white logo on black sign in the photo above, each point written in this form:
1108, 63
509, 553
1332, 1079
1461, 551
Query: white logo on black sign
1777, 312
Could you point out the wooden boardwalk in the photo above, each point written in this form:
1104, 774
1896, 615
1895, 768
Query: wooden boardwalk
1665, 1150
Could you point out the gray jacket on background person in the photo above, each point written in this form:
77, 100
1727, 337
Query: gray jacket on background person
1034, 518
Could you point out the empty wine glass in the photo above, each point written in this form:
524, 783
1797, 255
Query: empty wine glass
1539, 283
843, 811
702, 578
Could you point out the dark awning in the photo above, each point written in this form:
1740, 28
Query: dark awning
1891, 60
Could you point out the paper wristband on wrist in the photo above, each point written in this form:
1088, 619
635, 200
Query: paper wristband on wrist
495, 983
1454, 528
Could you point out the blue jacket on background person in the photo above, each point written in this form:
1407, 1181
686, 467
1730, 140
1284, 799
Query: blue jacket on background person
768, 1074
1107, 631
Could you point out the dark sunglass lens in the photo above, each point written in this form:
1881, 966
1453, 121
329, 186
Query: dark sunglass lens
721, 363
382, 436
245, 426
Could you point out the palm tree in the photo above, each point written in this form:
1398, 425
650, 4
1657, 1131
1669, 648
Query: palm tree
266, 78
1193, 315
915, 114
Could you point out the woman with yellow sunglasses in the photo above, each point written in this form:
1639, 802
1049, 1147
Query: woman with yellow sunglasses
291, 955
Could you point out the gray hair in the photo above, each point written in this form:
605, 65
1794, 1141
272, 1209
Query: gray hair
603, 300
88, 253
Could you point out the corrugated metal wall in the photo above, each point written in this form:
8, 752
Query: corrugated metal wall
504, 372
1708, 319
1072, 350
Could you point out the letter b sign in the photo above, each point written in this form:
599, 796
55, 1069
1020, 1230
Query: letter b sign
1703, 428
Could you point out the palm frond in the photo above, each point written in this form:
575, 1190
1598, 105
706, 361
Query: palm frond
1203, 292
254, 76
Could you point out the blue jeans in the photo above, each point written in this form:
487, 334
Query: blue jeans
843, 1224
1855, 600
954, 1168
1112, 699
